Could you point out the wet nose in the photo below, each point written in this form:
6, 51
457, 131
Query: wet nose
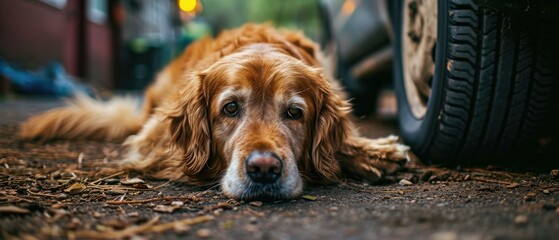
263, 167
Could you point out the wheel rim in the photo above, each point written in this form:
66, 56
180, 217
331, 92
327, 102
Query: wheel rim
419, 36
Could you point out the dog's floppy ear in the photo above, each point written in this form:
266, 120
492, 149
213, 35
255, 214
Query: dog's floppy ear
305, 47
329, 131
300, 47
190, 129
338, 149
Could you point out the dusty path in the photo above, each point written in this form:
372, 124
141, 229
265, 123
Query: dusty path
46, 193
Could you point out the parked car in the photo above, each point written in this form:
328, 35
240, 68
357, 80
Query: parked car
474, 79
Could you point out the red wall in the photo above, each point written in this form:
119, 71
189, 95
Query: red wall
100, 58
33, 33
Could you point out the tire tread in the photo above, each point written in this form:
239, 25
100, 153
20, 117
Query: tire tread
498, 85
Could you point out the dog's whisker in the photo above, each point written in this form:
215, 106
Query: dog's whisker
215, 186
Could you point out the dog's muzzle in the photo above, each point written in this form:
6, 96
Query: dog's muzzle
263, 167
268, 178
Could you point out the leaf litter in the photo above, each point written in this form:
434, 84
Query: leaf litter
50, 181
73, 190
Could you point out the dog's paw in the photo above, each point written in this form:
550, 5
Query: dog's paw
372, 159
390, 150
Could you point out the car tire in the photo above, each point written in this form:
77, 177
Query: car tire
491, 87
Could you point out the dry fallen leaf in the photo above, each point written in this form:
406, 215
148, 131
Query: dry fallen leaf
97, 214
521, 220
167, 209
179, 224
13, 209
227, 206
75, 188
256, 203
39, 176
58, 205
74, 223
141, 186
111, 181
132, 181
181, 228
204, 233
228, 225
530, 196
309, 197
108, 233
136, 183
405, 182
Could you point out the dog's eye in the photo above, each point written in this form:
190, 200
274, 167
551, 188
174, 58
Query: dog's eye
294, 112
231, 109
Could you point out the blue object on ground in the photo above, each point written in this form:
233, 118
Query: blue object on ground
49, 80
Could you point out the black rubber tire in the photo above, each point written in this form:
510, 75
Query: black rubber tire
491, 89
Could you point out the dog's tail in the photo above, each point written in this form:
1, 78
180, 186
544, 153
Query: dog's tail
86, 118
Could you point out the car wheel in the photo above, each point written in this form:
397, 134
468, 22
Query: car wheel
473, 84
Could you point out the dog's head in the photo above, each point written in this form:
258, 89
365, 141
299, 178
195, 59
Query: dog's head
259, 120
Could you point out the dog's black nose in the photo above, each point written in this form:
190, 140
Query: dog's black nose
263, 167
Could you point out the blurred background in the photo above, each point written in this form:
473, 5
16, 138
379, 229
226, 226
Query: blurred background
59, 47
121, 44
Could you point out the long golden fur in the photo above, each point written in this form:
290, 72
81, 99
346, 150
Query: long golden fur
250, 90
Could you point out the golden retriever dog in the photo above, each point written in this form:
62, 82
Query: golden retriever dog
250, 110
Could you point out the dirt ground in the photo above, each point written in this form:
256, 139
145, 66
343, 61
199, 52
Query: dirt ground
69, 189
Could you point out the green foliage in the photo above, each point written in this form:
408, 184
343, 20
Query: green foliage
296, 14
